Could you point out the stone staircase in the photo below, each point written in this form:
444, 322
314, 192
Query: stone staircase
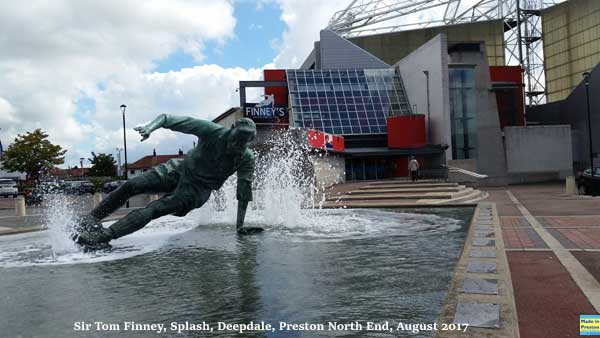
400, 193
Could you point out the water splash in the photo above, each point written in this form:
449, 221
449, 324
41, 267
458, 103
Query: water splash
284, 189
60, 218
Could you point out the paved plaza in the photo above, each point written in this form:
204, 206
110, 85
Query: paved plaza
552, 242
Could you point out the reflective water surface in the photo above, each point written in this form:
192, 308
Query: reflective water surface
336, 265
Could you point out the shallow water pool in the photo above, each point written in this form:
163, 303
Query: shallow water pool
352, 265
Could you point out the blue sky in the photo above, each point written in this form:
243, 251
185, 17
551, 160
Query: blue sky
256, 29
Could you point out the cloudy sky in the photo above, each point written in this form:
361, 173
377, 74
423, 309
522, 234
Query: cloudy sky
67, 65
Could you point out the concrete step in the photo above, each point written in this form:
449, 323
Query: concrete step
371, 204
409, 185
472, 196
404, 190
401, 196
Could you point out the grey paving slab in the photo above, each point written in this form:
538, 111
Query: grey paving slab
482, 253
483, 242
484, 228
483, 234
478, 314
480, 286
482, 267
484, 221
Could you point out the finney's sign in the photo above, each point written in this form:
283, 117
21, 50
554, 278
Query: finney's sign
265, 110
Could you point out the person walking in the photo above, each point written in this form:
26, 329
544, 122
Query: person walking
413, 168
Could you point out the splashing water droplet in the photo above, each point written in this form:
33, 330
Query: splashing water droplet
59, 219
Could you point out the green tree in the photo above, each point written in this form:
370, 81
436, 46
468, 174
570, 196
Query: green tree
33, 154
103, 165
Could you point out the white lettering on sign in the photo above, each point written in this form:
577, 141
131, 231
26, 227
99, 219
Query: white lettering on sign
265, 112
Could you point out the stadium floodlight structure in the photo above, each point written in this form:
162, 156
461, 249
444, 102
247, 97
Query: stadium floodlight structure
522, 26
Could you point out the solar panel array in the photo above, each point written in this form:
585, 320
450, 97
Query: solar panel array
346, 101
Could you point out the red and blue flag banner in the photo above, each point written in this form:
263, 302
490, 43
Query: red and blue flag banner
320, 140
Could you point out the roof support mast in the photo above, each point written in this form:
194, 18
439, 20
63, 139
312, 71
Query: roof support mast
522, 22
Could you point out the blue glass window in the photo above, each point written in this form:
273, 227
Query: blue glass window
462, 113
363, 98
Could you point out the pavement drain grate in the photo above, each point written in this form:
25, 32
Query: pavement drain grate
482, 253
483, 242
481, 286
482, 267
484, 234
478, 314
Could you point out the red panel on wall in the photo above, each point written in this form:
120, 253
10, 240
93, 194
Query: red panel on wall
281, 93
506, 74
406, 131
509, 100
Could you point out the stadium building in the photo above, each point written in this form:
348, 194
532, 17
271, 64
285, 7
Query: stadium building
443, 94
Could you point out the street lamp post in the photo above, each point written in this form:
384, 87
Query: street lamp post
586, 76
123, 107
426, 72
119, 163
81, 165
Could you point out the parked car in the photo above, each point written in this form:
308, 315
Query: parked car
589, 183
8, 187
112, 185
87, 188
80, 187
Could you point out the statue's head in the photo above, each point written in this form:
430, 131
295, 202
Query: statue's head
242, 132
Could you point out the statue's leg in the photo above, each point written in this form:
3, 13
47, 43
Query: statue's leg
183, 200
137, 219
146, 183
138, 185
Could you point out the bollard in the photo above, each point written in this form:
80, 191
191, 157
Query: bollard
570, 186
97, 199
20, 206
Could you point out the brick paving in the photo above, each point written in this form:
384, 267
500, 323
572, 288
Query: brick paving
570, 221
514, 222
522, 238
547, 298
503, 203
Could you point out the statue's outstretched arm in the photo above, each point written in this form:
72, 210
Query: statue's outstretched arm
182, 124
146, 130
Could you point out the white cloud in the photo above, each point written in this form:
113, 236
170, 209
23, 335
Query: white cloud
56, 53
304, 19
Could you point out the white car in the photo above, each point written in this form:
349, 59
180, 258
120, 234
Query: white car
8, 187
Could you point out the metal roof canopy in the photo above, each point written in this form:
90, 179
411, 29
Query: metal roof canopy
522, 26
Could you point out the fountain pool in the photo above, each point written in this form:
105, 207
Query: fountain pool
332, 265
